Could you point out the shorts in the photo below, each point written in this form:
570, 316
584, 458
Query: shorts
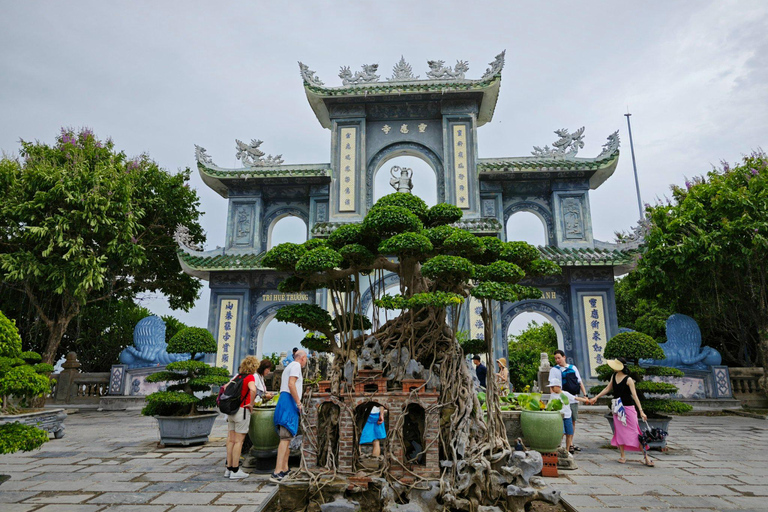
568, 426
284, 433
575, 411
239, 424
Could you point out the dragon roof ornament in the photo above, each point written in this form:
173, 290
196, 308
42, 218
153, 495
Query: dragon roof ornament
201, 156
252, 156
611, 146
185, 241
309, 76
402, 72
567, 146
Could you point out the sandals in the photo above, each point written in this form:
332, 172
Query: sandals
622, 460
648, 462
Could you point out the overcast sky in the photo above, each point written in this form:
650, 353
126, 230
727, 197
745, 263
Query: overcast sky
159, 77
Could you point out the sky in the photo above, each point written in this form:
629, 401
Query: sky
160, 77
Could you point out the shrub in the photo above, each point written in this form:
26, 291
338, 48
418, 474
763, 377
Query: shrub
188, 377
386, 221
22, 379
410, 202
406, 245
524, 353
442, 214
319, 260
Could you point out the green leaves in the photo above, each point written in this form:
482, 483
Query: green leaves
309, 317
633, 346
449, 269
504, 291
16, 437
410, 202
10, 341
420, 300
501, 271
386, 221
284, 256
319, 260
192, 340
405, 245
169, 403
442, 214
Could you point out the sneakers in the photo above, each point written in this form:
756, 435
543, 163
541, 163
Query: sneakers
237, 475
278, 477
227, 472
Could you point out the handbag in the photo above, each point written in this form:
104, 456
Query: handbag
649, 435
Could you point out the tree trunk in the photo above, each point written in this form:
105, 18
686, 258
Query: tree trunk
56, 332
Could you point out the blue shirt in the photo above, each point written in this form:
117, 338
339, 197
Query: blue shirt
288, 360
481, 372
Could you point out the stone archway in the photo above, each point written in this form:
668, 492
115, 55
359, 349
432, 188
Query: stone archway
404, 149
556, 318
543, 213
259, 323
273, 216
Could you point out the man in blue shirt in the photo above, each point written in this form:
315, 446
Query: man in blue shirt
480, 370
290, 358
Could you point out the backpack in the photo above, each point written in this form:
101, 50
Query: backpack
231, 396
570, 381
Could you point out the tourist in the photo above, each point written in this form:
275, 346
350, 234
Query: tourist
625, 407
265, 367
374, 430
288, 412
569, 400
239, 422
290, 358
564, 376
480, 370
502, 376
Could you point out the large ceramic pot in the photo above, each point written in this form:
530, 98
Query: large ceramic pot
262, 432
542, 430
186, 430
661, 422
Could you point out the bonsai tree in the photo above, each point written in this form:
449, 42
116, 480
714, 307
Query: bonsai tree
634, 346
188, 376
439, 266
22, 378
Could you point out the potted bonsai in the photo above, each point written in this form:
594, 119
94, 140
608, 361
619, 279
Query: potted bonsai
542, 425
22, 379
634, 346
176, 409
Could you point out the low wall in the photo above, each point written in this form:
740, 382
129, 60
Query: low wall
746, 387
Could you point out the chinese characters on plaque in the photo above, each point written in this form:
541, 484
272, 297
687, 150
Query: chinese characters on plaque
347, 167
594, 318
460, 165
227, 332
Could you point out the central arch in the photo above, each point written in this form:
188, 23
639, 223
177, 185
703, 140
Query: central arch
404, 149
538, 210
555, 317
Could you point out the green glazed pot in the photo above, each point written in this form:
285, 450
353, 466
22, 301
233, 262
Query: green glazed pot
542, 430
262, 432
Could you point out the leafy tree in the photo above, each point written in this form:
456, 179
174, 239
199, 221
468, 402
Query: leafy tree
83, 223
634, 312
706, 257
22, 377
524, 352
439, 266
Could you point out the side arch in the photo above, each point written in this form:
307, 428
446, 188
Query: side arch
272, 216
389, 279
538, 210
558, 320
404, 149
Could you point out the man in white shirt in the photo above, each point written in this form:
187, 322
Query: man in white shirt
564, 376
288, 412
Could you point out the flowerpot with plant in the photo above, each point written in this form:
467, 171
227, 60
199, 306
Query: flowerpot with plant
22, 379
177, 409
634, 346
542, 425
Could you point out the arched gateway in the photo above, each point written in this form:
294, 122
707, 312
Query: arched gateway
436, 119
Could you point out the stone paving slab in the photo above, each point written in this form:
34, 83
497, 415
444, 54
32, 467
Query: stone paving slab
713, 463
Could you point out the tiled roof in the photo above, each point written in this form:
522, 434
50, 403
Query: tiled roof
587, 256
278, 171
536, 163
484, 225
222, 261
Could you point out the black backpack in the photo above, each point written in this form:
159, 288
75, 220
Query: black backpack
570, 381
230, 396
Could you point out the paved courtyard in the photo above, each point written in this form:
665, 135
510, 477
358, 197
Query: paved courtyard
111, 462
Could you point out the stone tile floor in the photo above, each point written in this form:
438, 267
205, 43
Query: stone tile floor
713, 463
110, 461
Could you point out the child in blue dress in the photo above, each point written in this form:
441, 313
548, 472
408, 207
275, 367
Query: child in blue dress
374, 430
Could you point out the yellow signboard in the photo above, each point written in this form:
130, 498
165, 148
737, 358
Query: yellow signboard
348, 170
227, 332
460, 160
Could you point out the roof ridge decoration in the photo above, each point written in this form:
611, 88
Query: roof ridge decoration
367, 75
309, 76
567, 146
635, 237
439, 71
202, 156
184, 239
252, 156
402, 72
611, 146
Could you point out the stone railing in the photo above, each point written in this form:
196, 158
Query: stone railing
74, 388
746, 386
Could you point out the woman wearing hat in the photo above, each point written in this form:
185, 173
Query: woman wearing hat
625, 407
502, 376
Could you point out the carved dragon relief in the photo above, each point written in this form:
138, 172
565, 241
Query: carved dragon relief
201, 156
439, 71
367, 75
611, 146
252, 156
183, 237
309, 76
496, 66
567, 146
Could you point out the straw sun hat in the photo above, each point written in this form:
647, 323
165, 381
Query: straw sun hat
502, 361
615, 365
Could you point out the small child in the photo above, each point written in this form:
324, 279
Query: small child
567, 413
